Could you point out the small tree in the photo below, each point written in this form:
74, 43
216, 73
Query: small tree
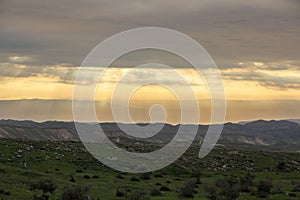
264, 188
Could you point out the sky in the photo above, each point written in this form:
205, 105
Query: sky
255, 45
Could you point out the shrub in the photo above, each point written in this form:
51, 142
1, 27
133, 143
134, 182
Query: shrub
196, 174
264, 188
134, 179
164, 188
95, 176
86, 176
246, 182
119, 176
74, 193
43, 197
72, 179
188, 189
121, 192
296, 186
137, 194
223, 189
45, 185
292, 195
277, 190
281, 166
158, 176
155, 192
4, 192
145, 176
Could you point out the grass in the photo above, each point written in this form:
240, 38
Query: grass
60, 161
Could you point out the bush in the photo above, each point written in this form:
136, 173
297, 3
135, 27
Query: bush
4, 192
43, 197
296, 186
137, 195
45, 185
86, 177
119, 176
164, 188
155, 192
196, 174
224, 189
246, 182
188, 189
95, 176
72, 179
277, 190
158, 176
74, 193
145, 176
281, 166
121, 192
134, 179
264, 188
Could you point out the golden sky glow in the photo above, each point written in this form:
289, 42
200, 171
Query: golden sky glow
252, 92
237, 87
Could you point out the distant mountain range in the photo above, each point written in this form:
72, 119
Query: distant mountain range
283, 133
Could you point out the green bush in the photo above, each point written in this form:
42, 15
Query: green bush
223, 189
188, 190
296, 186
45, 185
135, 179
246, 183
196, 174
137, 194
164, 188
264, 188
155, 192
74, 193
121, 192
281, 166
145, 176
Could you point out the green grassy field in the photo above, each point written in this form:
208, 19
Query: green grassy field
68, 163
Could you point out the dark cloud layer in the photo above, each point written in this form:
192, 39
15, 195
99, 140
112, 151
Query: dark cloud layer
65, 31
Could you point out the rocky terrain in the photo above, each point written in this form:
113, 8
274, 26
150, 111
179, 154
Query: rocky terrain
279, 134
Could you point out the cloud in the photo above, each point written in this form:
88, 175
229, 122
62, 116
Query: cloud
66, 74
280, 75
20, 59
275, 75
60, 31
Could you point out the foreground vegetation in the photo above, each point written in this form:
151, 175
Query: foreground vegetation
65, 170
